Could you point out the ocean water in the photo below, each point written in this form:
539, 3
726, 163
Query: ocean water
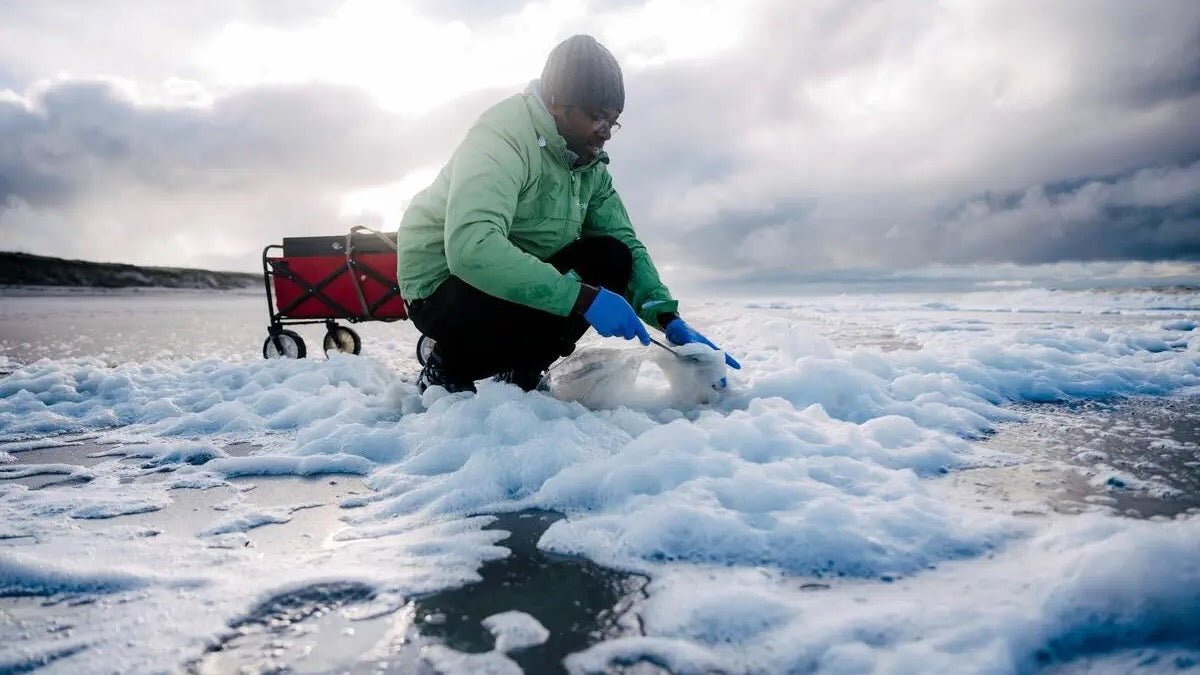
993, 481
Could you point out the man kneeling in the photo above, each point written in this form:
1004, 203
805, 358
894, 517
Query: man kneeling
521, 243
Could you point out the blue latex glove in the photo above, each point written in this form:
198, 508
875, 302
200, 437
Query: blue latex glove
679, 333
612, 316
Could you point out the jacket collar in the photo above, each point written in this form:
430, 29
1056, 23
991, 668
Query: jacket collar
547, 131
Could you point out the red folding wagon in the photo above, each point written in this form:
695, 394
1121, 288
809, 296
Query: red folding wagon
312, 280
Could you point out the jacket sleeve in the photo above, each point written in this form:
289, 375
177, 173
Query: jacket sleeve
606, 215
488, 172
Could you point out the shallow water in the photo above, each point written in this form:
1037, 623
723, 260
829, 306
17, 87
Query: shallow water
156, 324
581, 603
1136, 457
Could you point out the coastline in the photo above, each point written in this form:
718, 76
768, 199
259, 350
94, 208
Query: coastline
31, 290
24, 269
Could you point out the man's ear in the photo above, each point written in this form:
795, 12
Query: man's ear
557, 109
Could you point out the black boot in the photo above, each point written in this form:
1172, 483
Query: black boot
435, 373
527, 380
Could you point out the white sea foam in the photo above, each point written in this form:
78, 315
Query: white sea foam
814, 466
248, 519
450, 662
1085, 585
21, 575
35, 444
515, 630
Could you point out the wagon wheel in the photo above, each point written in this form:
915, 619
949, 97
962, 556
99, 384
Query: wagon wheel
285, 344
342, 339
424, 348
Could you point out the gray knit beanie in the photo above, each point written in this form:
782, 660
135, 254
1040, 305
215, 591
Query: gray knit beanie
580, 71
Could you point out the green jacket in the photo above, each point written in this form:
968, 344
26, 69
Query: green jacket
508, 200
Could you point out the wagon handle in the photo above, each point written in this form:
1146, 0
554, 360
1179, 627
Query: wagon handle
362, 298
360, 228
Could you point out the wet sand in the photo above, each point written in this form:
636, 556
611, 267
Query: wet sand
341, 626
1136, 457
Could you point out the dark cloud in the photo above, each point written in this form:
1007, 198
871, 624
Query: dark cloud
1136, 55
88, 171
1153, 214
845, 133
837, 134
79, 134
1146, 215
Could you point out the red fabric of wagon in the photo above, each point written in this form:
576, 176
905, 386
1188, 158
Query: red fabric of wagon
324, 287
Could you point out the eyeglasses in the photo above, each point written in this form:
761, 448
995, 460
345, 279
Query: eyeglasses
600, 121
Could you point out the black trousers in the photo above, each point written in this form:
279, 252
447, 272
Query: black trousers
479, 335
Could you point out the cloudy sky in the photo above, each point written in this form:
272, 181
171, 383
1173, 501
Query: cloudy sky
762, 138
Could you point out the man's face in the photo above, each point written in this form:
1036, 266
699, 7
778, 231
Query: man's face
585, 130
